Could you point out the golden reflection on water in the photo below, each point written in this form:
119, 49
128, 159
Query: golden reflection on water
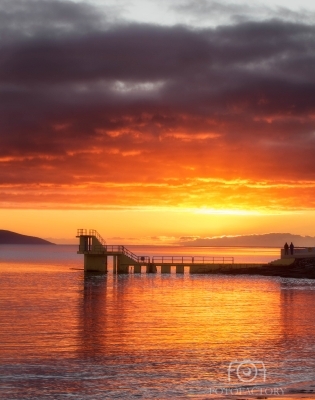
174, 330
297, 300
233, 315
38, 315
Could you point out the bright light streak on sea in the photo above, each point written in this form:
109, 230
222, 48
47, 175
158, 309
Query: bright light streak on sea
66, 335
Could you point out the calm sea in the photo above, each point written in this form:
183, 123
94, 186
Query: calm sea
65, 335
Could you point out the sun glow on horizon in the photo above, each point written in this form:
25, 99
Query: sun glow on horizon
145, 226
160, 130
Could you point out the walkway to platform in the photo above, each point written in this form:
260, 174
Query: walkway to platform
96, 253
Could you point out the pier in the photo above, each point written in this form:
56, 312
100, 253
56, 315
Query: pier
96, 252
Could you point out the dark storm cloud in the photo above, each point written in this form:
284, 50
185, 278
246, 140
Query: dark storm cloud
53, 18
206, 10
70, 80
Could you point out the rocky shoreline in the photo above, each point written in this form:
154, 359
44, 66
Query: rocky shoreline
299, 268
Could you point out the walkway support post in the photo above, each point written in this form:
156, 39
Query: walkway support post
179, 269
165, 269
96, 263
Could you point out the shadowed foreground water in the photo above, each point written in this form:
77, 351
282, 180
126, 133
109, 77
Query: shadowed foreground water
65, 335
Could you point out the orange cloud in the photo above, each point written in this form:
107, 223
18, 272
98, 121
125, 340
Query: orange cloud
155, 115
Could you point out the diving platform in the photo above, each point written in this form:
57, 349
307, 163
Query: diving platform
96, 252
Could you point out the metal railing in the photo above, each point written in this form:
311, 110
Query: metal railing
192, 260
130, 254
103, 248
93, 232
298, 251
115, 249
303, 250
82, 232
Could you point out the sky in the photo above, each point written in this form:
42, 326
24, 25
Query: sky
153, 120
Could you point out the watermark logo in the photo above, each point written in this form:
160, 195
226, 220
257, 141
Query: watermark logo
252, 376
247, 371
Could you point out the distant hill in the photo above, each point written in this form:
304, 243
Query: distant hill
265, 240
8, 237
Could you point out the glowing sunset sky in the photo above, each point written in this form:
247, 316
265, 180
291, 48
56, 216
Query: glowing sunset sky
157, 118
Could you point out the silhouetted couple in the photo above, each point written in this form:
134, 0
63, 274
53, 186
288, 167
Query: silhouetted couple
286, 248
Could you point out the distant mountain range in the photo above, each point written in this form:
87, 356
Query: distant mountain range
265, 240
8, 237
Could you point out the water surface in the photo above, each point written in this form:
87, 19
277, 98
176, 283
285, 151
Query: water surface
69, 335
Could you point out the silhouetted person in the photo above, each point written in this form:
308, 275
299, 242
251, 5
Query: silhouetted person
286, 249
291, 248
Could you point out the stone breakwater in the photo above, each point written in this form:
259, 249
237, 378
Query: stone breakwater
295, 268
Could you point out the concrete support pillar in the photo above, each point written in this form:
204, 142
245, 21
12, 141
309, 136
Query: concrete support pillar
151, 269
95, 262
122, 268
137, 269
114, 264
85, 243
165, 269
179, 269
